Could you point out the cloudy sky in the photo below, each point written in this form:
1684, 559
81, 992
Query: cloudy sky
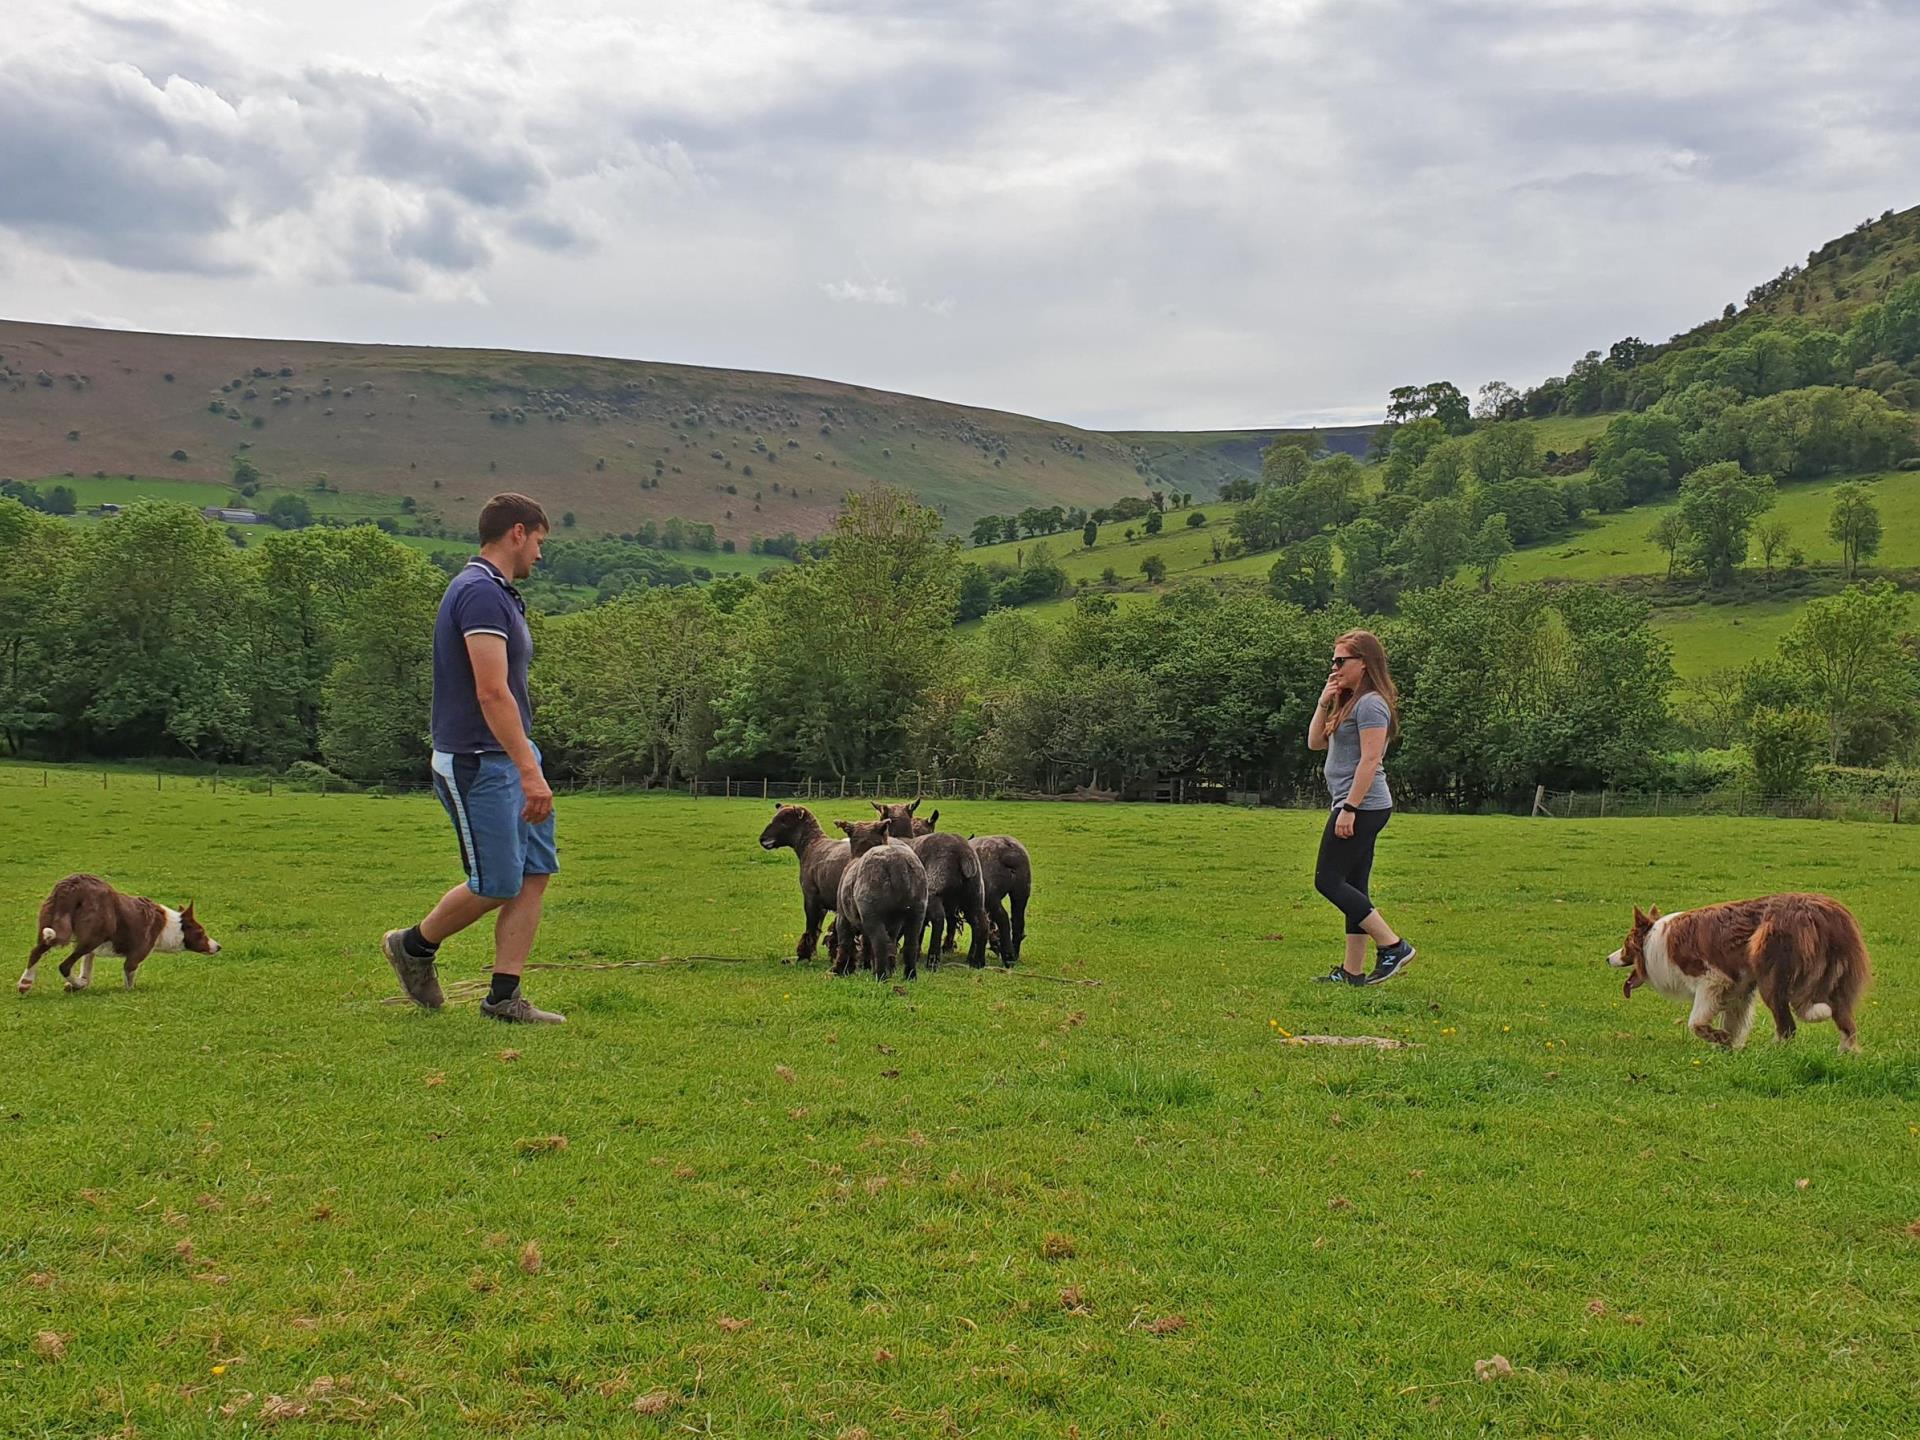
1113, 212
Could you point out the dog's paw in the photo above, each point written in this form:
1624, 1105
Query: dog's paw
76, 985
24, 986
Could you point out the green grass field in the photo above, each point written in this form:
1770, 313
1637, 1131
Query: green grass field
1618, 544
250, 1193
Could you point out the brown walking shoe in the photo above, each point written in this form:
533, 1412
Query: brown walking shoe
517, 1008
417, 977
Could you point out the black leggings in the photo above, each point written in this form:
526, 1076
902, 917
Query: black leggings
1344, 865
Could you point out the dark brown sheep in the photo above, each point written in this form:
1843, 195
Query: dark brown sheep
1006, 871
882, 902
954, 889
822, 862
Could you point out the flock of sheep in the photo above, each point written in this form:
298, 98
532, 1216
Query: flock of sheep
893, 878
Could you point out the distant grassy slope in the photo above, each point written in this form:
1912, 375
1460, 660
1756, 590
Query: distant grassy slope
388, 421
1851, 270
1618, 545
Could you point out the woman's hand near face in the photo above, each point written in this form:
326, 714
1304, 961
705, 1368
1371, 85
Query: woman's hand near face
1331, 692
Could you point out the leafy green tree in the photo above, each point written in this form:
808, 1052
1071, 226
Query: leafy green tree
1368, 580
627, 690
1284, 463
38, 553
1195, 519
1153, 522
1089, 534
1154, 568
1847, 650
1504, 451
1720, 504
152, 662
1440, 399
1522, 686
975, 594
290, 512
1304, 574
986, 530
1491, 546
1770, 538
60, 500
379, 694
1670, 533
1783, 746
832, 659
1435, 542
1854, 525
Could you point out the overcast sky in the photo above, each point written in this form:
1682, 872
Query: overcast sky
1113, 212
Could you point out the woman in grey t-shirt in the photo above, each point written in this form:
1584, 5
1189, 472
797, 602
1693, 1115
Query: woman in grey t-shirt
1355, 718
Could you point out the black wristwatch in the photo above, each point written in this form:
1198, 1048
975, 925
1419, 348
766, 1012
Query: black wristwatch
1345, 805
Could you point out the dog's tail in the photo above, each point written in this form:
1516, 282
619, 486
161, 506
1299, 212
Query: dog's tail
49, 934
1809, 952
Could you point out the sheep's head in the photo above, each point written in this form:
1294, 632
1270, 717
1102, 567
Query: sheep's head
926, 826
792, 825
899, 816
865, 835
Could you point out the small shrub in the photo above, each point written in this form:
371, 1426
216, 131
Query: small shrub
311, 775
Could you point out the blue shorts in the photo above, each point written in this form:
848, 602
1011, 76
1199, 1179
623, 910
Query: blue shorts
483, 797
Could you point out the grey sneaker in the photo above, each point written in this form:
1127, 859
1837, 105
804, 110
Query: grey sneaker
1340, 975
417, 977
1392, 961
516, 1007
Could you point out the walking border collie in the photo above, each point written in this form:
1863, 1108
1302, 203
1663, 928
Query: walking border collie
86, 912
1801, 954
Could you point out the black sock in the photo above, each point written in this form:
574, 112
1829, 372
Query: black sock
417, 945
503, 987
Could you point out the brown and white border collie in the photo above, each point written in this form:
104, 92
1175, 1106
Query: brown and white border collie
87, 913
1801, 954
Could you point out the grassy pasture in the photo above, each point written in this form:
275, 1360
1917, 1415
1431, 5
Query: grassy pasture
995, 1204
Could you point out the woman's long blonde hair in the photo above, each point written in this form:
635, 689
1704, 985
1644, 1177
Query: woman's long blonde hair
1375, 676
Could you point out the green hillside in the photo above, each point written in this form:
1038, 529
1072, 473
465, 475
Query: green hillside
1847, 272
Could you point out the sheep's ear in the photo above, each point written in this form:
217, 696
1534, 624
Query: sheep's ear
878, 806
933, 820
846, 825
913, 807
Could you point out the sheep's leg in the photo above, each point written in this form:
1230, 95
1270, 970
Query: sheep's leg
880, 951
935, 921
976, 912
810, 937
999, 929
1019, 899
916, 921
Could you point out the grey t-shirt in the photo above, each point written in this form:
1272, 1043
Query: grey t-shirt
1343, 754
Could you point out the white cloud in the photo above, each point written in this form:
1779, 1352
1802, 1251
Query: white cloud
871, 292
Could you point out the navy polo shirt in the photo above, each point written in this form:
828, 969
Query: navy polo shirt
479, 601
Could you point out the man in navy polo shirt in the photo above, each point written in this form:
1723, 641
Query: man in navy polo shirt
486, 768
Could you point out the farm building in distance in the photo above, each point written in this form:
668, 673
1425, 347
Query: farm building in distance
234, 517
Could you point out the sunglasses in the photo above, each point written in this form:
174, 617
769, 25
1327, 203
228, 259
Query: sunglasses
1340, 660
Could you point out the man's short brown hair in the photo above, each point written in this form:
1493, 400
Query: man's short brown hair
504, 511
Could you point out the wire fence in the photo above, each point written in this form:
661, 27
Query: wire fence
1890, 807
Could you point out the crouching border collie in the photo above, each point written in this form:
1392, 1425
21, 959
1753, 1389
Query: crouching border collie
1802, 954
87, 913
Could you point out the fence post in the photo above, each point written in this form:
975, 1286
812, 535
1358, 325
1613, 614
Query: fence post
763, 787
156, 780
1603, 804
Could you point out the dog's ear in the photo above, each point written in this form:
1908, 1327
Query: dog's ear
1653, 913
1639, 920
186, 911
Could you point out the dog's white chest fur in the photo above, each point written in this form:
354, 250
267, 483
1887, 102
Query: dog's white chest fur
1666, 977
